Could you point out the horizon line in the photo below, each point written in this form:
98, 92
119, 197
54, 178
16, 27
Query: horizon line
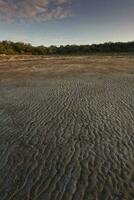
87, 44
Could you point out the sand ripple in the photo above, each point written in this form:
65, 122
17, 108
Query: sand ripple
67, 139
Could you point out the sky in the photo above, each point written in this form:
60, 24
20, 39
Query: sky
62, 22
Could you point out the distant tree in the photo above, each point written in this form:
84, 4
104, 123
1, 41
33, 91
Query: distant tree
8, 47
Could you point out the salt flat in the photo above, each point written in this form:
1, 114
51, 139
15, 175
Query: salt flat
67, 128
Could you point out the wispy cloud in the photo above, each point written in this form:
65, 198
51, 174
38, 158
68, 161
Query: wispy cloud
38, 10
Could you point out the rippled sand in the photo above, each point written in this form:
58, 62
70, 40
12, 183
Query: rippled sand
67, 134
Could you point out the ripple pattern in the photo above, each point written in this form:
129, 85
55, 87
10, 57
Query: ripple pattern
67, 139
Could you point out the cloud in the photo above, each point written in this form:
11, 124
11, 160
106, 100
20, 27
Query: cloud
34, 10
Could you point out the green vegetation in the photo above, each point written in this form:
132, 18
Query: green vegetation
8, 47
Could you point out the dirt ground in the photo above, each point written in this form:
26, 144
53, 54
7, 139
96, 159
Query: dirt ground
13, 66
67, 128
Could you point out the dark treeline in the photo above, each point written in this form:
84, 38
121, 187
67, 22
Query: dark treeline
8, 47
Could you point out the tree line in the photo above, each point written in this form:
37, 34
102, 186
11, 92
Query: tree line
8, 47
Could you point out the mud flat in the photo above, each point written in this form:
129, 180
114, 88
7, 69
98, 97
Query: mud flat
67, 128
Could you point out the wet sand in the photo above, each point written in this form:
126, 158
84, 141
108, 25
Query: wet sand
67, 128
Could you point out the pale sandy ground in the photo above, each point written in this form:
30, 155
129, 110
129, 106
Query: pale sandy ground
58, 66
67, 128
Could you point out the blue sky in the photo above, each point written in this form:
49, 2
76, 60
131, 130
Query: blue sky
61, 22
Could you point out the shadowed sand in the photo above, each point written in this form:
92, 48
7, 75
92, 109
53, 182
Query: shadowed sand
67, 128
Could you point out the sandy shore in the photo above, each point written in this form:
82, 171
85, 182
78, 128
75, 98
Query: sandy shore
14, 66
67, 128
